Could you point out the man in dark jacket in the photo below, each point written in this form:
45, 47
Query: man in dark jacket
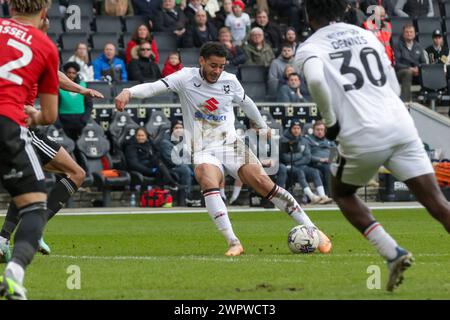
173, 149
409, 55
200, 31
296, 154
272, 32
320, 152
143, 69
147, 8
170, 18
414, 8
437, 52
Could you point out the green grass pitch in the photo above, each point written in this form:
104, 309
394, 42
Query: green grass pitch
180, 256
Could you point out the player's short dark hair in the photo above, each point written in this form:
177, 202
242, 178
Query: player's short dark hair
213, 49
71, 65
325, 10
29, 6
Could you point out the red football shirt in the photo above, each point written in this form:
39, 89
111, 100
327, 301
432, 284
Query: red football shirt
27, 57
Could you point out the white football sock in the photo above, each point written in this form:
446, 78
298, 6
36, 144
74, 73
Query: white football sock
3, 240
321, 191
236, 192
309, 193
284, 201
381, 240
16, 271
217, 210
222, 193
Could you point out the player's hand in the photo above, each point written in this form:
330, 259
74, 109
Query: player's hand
122, 100
33, 116
91, 93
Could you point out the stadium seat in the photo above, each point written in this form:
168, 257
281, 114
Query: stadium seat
270, 120
102, 87
447, 9
133, 22
447, 25
86, 8
108, 24
94, 152
54, 11
307, 129
428, 25
165, 41
189, 57
65, 55
126, 37
232, 69
398, 23
157, 119
253, 73
55, 38
69, 41
255, 90
56, 26
433, 81
99, 40
83, 27
395, 39
425, 40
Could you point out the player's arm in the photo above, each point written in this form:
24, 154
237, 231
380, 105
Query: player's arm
313, 69
140, 91
48, 113
68, 85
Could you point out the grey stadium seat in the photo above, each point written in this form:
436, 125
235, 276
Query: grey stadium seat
99, 40
425, 40
132, 23
69, 41
165, 41
428, 25
102, 87
56, 26
189, 57
398, 23
84, 27
108, 24
255, 90
253, 73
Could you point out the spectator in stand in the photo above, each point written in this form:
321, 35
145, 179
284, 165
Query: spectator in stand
200, 31
236, 55
290, 92
172, 64
141, 156
353, 14
292, 10
191, 9
409, 55
144, 69
81, 57
287, 71
368, 6
116, 8
272, 32
290, 37
147, 8
414, 8
382, 29
170, 19
211, 7
173, 148
277, 66
108, 67
320, 152
74, 109
221, 15
258, 52
142, 33
238, 22
438, 52
296, 154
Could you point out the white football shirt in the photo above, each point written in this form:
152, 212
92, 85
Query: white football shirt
371, 115
207, 107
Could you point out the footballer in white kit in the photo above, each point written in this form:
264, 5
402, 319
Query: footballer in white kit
356, 89
207, 95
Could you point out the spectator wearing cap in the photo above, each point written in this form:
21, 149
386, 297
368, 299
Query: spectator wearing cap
258, 52
200, 31
414, 8
437, 52
74, 109
272, 31
173, 150
238, 22
409, 55
296, 155
382, 29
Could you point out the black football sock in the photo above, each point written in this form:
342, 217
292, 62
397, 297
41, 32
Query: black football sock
11, 221
29, 231
59, 195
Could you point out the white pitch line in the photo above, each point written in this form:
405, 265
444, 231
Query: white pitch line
203, 210
245, 258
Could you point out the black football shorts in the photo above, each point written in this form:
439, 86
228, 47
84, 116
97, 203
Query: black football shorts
45, 147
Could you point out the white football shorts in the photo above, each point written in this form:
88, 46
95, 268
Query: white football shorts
404, 161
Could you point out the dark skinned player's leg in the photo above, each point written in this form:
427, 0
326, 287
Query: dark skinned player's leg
360, 216
428, 193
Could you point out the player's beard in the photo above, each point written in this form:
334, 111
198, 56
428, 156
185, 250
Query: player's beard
205, 76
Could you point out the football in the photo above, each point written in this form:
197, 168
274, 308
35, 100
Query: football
303, 239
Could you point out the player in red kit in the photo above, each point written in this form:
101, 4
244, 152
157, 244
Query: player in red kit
27, 57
